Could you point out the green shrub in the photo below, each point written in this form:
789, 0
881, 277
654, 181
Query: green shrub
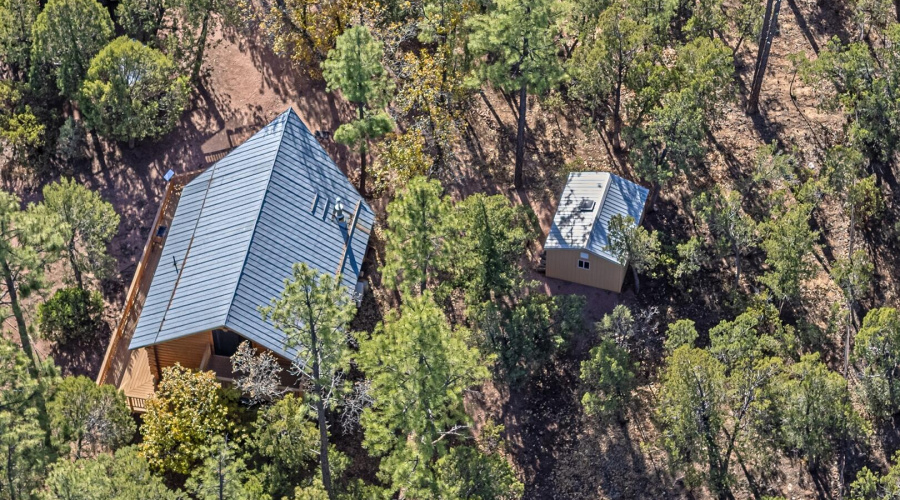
72, 314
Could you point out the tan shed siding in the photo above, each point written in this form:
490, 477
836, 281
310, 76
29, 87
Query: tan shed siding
563, 264
188, 351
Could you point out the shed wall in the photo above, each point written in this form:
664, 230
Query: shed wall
563, 264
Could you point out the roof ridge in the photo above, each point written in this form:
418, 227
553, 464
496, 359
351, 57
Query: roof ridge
262, 204
600, 204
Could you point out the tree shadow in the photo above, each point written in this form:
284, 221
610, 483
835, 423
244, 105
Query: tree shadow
81, 358
804, 27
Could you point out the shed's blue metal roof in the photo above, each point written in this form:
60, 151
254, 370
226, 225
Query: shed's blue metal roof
574, 227
240, 226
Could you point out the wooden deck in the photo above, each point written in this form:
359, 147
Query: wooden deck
130, 370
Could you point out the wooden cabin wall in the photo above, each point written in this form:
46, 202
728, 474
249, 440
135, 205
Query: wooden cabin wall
188, 351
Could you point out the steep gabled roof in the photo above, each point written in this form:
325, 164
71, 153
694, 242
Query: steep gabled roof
240, 226
588, 202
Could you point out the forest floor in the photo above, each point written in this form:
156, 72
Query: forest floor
558, 451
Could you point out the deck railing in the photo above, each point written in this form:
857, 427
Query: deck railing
112, 356
137, 405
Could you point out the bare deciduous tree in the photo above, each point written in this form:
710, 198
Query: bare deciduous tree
261, 379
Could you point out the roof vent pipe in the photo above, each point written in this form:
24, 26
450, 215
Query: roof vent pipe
339, 215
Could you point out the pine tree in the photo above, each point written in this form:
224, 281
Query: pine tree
734, 230
66, 35
419, 239
789, 243
815, 410
632, 245
16, 20
354, 67
419, 368
26, 451
516, 43
601, 68
876, 356
224, 475
142, 19
28, 241
89, 416
123, 476
132, 92
87, 224
492, 234
314, 311
609, 377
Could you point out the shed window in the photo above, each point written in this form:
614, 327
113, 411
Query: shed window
583, 264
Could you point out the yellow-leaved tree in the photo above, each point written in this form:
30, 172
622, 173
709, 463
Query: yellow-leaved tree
186, 413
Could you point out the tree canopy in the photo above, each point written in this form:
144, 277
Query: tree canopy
132, 92
66, 35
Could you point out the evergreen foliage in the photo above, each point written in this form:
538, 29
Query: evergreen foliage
89, 416
419, 367
132, 92
876, 355
65, 36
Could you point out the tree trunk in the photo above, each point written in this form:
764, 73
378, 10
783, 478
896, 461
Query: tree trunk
79, 280
34, 369
362, 172
763, 34
362, 156
10, 470
221, 472
20, 317
520, 136
323, 424
160, 15
850, 299
201, 47
737, 266
770, 24
637, 281
654, 195
615, 130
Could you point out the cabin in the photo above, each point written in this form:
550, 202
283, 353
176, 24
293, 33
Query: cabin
575, 249
223, 244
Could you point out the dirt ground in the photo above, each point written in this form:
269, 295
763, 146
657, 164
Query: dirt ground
558, 452
561, 453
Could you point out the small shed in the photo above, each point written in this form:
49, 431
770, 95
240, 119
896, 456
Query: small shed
575, 248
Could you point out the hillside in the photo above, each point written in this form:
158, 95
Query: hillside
817, 256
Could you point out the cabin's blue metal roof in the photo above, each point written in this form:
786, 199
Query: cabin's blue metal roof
574, 226
238, 229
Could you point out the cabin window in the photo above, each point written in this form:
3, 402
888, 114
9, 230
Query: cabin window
583, 264
225, 342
